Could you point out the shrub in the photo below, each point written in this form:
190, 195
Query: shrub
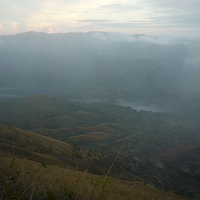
9, 181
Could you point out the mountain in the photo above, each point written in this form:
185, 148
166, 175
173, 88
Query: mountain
160, 148
69, 87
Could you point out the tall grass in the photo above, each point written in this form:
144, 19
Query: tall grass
49, 180
35, 181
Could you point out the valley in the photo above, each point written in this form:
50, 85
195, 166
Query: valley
109, 116
156, 144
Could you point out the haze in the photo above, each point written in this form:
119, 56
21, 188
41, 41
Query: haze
118, 82
99, 66
117, 51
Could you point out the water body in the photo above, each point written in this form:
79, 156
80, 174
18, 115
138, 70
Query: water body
140, 106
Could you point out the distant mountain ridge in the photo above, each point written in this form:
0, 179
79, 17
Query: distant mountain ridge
106, 36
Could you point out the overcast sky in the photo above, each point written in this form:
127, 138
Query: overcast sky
175, 18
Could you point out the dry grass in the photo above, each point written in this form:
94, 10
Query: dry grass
52, 182
41, 181
31, 141
94, 136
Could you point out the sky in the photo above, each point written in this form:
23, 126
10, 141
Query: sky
174, 18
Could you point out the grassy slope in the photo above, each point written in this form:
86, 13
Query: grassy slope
50, 151
55, 180
153, 145
95, 125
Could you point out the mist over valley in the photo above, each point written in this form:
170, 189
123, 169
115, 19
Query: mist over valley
103, 103
111, 67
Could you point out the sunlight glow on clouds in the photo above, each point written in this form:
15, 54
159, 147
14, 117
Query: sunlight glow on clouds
172, 17
12, 28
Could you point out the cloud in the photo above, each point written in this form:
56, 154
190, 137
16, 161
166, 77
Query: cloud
186, 20
110, 37
130, 16
95, 20
13, 25
183, 12
125, 24
13, 28
120, 11
49, 29
121, 37
186, 5
157, 40
120, 7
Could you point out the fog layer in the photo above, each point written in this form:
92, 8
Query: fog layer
111, 67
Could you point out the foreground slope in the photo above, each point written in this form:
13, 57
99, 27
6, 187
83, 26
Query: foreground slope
45, 150
37, 173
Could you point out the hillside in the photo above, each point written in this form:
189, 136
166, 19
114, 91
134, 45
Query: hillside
41, 169
45, 150
158, 147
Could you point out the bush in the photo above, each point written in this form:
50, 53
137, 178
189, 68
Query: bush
9, 181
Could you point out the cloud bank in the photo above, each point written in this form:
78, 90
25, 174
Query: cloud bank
155, 17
